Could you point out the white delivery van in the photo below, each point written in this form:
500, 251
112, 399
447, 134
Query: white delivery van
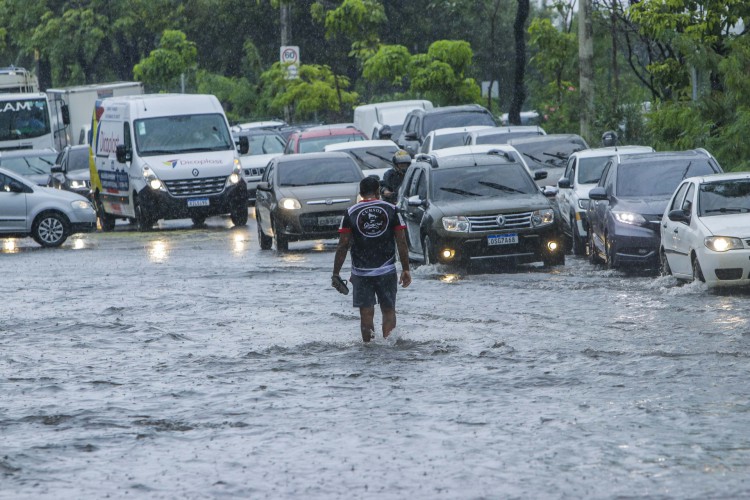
165, 156
371, 118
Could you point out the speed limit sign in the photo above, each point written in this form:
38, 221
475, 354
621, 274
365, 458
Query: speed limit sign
290, 54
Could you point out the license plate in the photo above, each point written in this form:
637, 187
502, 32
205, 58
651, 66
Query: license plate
198, 202
502, 239
333, 220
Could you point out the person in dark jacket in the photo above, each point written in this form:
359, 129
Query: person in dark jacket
393, 177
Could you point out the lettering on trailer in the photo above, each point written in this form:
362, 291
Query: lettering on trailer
114, 181
17, 106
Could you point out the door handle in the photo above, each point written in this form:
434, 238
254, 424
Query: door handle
675, 231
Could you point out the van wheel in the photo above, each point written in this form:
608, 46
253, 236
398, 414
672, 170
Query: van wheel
143, 221
239, 214
50, 229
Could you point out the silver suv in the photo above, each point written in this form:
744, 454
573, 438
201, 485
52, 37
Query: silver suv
582, 173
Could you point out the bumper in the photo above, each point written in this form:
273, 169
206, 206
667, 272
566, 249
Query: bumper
297, 226
82, 227
252, 182
532, 246
731, 268
162, 205
635, 246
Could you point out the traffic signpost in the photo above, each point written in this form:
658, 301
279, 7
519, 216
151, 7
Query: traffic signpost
289, 56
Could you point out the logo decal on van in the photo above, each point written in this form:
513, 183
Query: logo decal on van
172, 163
195, 172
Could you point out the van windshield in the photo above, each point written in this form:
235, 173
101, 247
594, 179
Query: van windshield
182, 134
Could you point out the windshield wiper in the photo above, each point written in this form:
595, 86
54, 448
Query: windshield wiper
34, 169
459, 191
501, 187
378, 156
534, 158
687, 169
161, 152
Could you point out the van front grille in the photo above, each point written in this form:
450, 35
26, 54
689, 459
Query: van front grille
489, 222
196, 187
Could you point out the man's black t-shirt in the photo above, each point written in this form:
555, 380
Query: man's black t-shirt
372, 224
392, 180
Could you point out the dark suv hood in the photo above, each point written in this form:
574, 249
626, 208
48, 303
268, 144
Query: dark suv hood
506, 204
642, 206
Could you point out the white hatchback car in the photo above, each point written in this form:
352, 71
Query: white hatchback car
705, 230
46, 214
582, 173
447, 137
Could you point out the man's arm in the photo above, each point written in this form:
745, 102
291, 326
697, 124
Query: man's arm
341, 251
403, 255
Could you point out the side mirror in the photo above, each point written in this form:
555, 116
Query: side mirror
123, 154
416, 201
65, 112
563, 183
56, 169
540, 175
244, 145
598, 193
411, 136
263, 186
678, 216
16, 187
550, 191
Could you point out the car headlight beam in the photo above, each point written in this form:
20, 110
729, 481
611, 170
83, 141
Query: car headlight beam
629, 218
457, 224
542, 217
722, 243
290, 204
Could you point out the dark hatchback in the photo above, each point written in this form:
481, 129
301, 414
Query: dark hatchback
627, 205
478, 207
71, 171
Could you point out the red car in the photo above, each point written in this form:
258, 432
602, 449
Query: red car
315, 139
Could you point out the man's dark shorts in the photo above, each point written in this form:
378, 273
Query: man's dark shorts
367, 288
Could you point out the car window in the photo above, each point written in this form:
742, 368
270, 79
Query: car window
307, 172
677, 200
474, 182
373, 157
504, 137
290, 145
78, 159
448, 140
30, 165
657, 177
456, 119
263, 144
607, 176
410, 184
687, 205
268, 174
4, 183
421, 187
318, 144
590, 169
570, 172
426, 145
724, 197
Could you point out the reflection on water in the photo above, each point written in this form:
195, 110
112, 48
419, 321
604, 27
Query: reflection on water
450, 278
78, 243
239, 242
9, 246
158, 251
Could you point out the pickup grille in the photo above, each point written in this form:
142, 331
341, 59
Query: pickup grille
489, 222
194, 187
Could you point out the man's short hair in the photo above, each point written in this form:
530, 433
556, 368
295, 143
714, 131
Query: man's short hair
370, 185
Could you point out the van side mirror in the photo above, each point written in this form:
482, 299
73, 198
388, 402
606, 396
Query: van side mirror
65, 112
244, 145
598, 193
123, 153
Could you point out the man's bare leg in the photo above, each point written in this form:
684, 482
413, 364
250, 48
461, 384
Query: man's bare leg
366, 322
389, 321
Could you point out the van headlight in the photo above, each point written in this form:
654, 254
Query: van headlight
152, 180
289, 204
457, 224
236, 174
722, 243
542, 217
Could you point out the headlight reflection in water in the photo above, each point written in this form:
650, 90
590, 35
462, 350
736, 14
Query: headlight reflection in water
158, 250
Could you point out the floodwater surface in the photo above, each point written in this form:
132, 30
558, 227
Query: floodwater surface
187, 363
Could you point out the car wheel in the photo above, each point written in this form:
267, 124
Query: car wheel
282, 244
198, 221
664, 269
143, 221
239, 214
609, 258
107, 222
594, 257
578, 243
428, 252
697, 271
50, 229
264, 241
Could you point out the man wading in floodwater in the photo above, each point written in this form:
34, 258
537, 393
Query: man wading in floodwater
373, 229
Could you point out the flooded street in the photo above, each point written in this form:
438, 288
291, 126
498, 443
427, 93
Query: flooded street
187, 363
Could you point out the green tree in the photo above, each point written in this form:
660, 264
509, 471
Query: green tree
162, 69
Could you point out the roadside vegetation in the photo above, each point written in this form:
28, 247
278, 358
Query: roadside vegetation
668, 74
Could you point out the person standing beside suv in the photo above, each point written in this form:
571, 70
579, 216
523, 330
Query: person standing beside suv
393, 178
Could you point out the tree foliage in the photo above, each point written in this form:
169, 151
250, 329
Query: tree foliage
162, 69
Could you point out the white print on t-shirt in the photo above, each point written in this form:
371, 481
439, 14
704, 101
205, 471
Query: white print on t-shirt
372, 221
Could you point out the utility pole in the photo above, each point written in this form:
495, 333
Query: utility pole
285, 22
586, 65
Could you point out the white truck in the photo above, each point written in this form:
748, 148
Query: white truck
72, 108
373, 118
165, 156
26, 122
18, 80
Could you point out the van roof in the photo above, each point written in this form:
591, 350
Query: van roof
168, 104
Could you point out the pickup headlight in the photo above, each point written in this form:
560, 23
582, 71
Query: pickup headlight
722, 243
629, 218
458, 224
542, 217
289, 204
152, 180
